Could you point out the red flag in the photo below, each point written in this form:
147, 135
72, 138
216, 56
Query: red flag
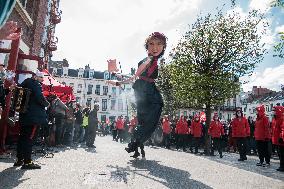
112, 66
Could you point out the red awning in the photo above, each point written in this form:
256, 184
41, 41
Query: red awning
51, 86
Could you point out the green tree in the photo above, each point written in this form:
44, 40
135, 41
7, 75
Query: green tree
208, 61
163, 83
279, 47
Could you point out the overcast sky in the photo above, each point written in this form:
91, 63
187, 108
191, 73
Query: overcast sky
93, 31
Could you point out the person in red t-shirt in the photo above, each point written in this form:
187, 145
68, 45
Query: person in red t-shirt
119, 128
132, 125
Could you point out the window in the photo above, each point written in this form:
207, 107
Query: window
104, 104
271, 107
90, 89
178, 114
112, 104
78, 99
229, 116
185, 113
113, 91
106, 75
103, 118
91, 75
89, 102
79, 90
105, 90
98, 88
24, 3
120, 105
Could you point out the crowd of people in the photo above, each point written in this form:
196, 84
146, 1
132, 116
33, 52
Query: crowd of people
260, 137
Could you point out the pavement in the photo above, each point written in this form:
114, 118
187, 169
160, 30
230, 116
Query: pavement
109, 166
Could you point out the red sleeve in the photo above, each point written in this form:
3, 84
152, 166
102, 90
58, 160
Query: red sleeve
247, 127
267, 130
178, 127
282, 130
192, 127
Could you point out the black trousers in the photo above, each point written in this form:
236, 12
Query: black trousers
166, 140
263, 151
217, 145
181, 141
242, 147
67, 133
91, 132
59, 122
114, 134
148, 116
25, 142
120, 135
195, 143
281, 156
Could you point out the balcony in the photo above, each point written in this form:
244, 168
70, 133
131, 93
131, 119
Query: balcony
56, 17
227, 108
52, 45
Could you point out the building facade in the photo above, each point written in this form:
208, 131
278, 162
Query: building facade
269, 100
226, 111
90, 86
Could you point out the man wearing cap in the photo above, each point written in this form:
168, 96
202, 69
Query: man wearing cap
92, 126
30, 120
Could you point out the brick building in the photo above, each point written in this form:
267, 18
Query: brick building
37, 19
259, 91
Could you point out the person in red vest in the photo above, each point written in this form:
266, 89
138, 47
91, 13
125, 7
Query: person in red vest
240, 131
196, 131
278, 133
216, 130
181, 133
166, 131
119, 128
262, 135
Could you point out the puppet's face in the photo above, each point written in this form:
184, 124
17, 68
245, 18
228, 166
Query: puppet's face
155, 47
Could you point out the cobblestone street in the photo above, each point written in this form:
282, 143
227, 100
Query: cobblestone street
111, 167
